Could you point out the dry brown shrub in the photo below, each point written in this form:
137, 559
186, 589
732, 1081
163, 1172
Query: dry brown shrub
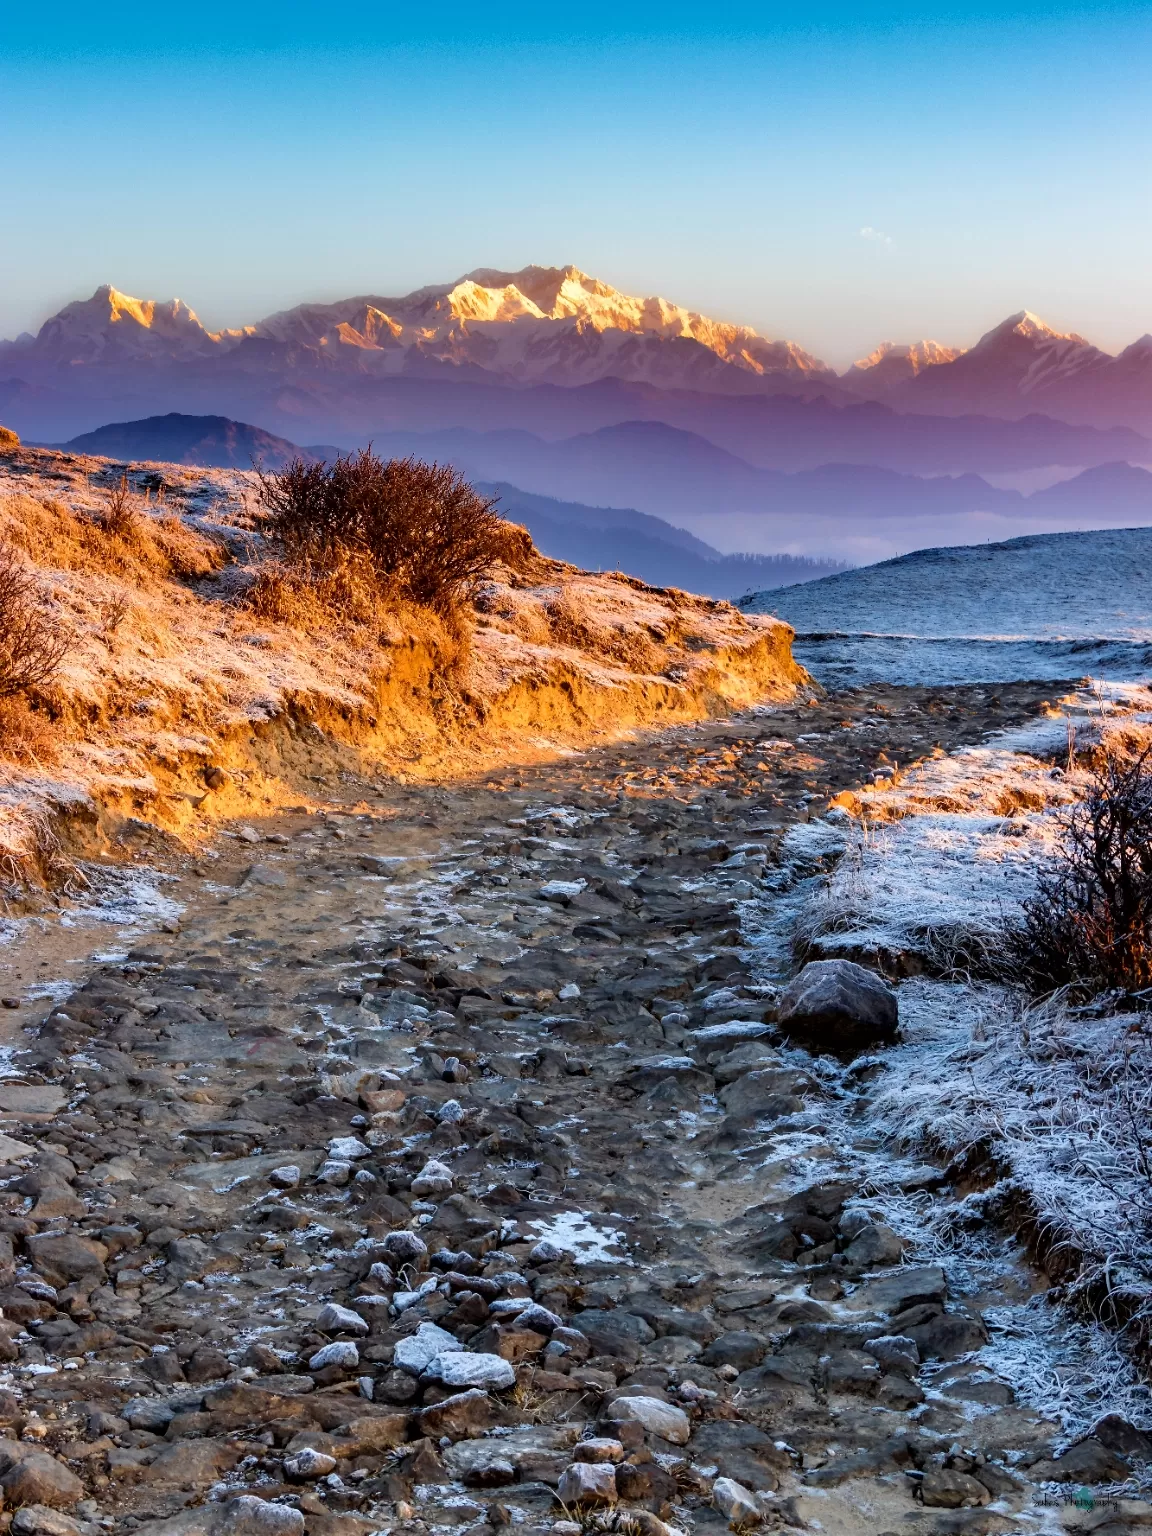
307, 598
419, 531
119, 518
33, 640
8, 440
1089, 926
113, 613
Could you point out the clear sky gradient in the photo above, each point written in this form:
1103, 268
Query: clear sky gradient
836, 174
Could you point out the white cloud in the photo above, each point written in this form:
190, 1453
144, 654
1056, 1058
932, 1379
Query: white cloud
876, 235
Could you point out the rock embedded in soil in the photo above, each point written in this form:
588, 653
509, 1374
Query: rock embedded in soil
945, 1489
246, 1515
34, 1477
1085, 1462
658, 1418
737, 1504
587, 1484
463, 1368
838, 1006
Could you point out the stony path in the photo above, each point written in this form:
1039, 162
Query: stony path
446, 1169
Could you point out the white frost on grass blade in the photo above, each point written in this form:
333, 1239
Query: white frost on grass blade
942, 887
974, 1074
574, 1233
1061, 1101
1076, 1371
939, 861
1055, 1104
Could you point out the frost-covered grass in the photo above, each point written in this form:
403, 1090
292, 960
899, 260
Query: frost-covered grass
932, 892
1052, 1109
171, 672
938, 860
1045, 1107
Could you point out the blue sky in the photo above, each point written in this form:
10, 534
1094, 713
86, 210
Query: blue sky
839, 175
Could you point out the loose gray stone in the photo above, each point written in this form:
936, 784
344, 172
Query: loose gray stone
657, 1417
435, 1178
894, 1352
308, 1463
405, 1248
735, 1502
340, 1353
415, 1353
458, 1368
875, 1245
150, 1413
336, 1319
587, 1482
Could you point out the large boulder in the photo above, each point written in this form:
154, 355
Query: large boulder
35, 1477
246, 1515
658, 1417
834, 1005
63, 1254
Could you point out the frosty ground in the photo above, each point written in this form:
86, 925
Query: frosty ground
295, 1160
1045, 606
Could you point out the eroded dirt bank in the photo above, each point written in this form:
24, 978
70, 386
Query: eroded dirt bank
181, 703
446, 1163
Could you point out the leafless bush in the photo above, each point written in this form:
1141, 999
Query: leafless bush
113, 613
1089, 926
119, 517
33, 642
419, 530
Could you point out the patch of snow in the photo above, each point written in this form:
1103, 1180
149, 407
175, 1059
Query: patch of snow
578, 1235
8, 1067
124, 896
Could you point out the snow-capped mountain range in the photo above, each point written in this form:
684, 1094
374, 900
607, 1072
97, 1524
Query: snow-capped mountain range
560, 327
553, 324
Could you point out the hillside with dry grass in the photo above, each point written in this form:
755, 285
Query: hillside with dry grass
201, 666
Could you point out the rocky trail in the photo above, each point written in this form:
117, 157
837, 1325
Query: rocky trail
457, 1161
